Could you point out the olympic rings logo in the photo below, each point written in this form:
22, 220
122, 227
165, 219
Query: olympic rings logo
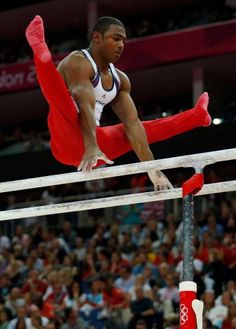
183, 314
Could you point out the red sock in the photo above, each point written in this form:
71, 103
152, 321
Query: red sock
35, 36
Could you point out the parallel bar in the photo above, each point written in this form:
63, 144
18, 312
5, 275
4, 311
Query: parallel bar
111, 201
199, 160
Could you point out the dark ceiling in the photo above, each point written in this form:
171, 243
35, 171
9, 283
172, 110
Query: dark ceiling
15, 4
60, 15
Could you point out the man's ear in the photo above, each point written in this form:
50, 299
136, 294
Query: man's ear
96, 37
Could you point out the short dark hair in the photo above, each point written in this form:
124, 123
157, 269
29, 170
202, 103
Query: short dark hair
103, 23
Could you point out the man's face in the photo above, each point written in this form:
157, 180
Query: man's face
139, 292
112, 43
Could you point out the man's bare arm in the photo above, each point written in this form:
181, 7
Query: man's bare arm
77, 73
125, 109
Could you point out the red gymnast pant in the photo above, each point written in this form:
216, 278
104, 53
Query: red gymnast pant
63, 120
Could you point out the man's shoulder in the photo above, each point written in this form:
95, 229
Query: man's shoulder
75, 58
122, 74
75, 61
124, 80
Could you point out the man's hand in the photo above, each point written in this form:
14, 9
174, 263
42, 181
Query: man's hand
159, 180
90, 158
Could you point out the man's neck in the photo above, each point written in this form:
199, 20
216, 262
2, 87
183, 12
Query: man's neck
102, 65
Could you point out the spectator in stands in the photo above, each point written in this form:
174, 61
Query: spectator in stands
4, 318
231, 288
141, 308
125, 279
127, 246
92, 301
118, 263
154, 227
215, 269
116, 302
169, 296
219, 313
56, 299
99, 236
68, 234
88, 267
22, 321
37, 320
140, 280
230, 321
14, 300
164, 269
34, 287
74, 295
229, 251
142, 262
216, 230
208, 298
164, 253
129, 215
5, 286
20, 235
73, 321
4, 242
80, 249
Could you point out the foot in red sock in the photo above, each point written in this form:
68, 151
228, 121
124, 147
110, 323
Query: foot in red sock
202, 108
35, 36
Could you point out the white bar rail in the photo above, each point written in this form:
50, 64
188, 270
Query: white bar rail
199, 160
111, 201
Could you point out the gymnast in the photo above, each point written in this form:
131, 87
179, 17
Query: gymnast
77, 91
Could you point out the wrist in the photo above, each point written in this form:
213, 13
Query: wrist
147, 156
90, 146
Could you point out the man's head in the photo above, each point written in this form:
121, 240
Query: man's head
108, 36
103, 24
139, 292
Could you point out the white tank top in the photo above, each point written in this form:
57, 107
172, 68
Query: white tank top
102, 96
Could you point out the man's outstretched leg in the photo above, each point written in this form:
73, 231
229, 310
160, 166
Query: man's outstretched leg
156, 130
63, 121
52, 85
35, 37
165, 128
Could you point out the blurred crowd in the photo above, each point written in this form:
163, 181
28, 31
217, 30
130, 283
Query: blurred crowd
22, 140
123, 269
138, 26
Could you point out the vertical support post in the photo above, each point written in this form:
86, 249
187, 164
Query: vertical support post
188, 213
190, 308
